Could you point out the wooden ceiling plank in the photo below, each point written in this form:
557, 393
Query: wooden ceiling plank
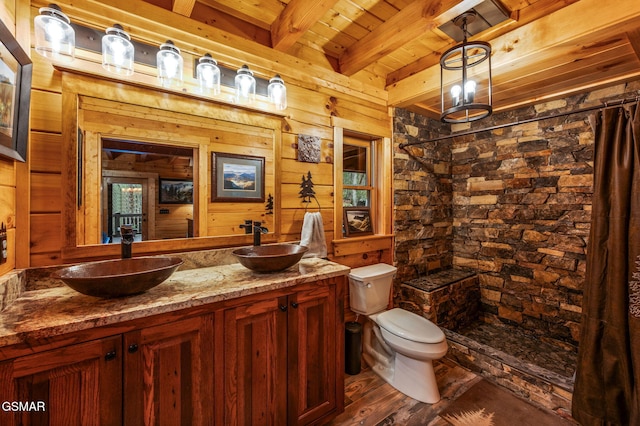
265, 11
634, 40
296, 18
521, 15
231, 24
406, 25
514, 49
183, 7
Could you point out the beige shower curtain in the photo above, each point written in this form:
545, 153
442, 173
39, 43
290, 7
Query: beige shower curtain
608, 371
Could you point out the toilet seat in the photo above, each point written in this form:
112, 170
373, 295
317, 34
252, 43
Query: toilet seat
410, 326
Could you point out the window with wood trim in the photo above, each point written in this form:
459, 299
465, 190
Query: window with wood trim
358, 186
356, 173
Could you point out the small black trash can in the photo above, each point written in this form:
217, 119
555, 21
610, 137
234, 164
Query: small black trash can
352, 347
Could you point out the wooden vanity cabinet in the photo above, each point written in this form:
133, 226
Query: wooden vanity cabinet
314, 355
283, 357
273, 358
155, 375
78, 384
168, 373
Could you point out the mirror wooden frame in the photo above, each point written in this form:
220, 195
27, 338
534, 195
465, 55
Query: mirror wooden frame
76, 84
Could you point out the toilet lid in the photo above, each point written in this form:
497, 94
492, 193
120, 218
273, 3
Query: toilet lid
410, 326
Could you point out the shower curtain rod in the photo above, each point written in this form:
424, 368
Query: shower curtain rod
528, 120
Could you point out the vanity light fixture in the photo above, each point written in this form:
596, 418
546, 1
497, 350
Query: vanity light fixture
245, 86
169, 64
208, 75
277, 92
55, 38
465, 70
117, 51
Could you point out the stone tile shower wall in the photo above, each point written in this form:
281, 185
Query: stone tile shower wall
423, 215
521, 209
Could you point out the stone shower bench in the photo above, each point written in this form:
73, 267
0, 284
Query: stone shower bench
451, 300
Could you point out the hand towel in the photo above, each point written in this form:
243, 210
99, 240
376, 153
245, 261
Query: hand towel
313, 235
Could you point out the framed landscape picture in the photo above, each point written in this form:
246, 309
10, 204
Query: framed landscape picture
175, 191
237, 178
15, 95
357, 221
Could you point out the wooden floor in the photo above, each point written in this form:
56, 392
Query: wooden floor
369, 400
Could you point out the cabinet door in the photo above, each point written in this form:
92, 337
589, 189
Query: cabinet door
312, 353
168, 376
255, 369
75, 385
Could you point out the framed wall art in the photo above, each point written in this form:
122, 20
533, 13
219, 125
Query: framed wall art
175, 191
15, 96
237, 178
357, 221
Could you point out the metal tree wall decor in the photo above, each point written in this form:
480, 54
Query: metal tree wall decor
306, 188
269, 206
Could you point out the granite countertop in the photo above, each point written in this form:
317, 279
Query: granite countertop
54, 311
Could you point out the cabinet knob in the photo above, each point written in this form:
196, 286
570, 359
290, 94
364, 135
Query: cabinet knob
294, 305
133, 348
110, 356
283, 308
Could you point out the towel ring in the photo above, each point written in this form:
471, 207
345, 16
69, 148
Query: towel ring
309, 200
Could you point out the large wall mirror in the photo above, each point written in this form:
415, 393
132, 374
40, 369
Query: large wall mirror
148, 187
146, 162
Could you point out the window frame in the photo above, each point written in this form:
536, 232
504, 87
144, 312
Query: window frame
370, 168
380, 175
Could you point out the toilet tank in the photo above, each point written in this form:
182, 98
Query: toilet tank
370, 288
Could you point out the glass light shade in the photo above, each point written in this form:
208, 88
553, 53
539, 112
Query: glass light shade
170, 64
245, 86
469, 91
208, 75
55, 38
455, 94
117, 51
277, 92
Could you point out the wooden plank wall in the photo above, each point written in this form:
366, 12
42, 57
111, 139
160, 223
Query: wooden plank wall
11, 172
315, 97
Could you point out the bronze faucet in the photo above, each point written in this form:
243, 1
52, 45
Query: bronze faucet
127, 234
257, 229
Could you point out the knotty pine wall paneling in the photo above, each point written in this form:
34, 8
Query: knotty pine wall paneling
14, 196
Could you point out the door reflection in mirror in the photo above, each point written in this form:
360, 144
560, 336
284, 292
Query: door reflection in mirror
131, 175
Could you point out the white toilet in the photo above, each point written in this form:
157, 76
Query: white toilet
397, 344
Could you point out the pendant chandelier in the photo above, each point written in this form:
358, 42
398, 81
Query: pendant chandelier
465, 78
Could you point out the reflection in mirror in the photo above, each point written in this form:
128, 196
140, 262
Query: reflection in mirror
148, 187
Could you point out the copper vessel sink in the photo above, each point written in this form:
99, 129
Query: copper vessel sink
119, 277
271, 258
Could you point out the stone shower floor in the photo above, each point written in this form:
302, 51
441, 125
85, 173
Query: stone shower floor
513, 341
